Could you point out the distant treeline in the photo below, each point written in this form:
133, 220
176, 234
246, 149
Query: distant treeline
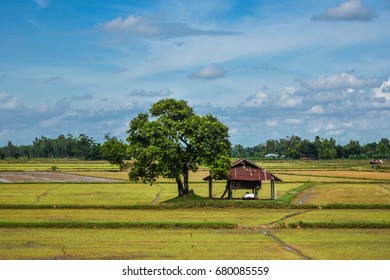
82, 147
293, 147
321, 148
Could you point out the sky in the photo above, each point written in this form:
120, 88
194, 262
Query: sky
267, 69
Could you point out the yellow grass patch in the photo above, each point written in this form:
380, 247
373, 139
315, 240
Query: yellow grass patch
371, 175
345, 193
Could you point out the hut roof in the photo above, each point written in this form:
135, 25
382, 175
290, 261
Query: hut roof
245, 170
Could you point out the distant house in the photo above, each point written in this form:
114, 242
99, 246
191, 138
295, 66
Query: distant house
306, 157
271, 156
245, 174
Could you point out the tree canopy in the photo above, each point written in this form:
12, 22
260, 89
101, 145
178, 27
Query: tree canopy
172, 140
114, 150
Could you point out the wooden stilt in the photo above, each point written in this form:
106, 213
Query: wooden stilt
210, 187
275, 195
273, 189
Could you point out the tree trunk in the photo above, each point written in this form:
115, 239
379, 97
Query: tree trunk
180, 187
211, 185
186, 190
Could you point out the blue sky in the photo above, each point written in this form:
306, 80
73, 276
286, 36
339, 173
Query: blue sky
267, 69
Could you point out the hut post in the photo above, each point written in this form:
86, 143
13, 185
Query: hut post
211, 187
273, 189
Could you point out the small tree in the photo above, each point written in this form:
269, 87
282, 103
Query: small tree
114, 150
172, 140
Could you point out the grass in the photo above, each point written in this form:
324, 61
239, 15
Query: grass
79, 193
61, 164
243, 217
342, 174
172, 244
194, 244
344, 216
110, 193
339, 244
252, 218
345, 193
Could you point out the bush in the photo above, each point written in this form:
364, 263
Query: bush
360, 157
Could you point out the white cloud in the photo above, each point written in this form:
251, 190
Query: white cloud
143, 93
383, 91
294, 121
314, 129
348, 124
336, 81
155, 27
289, 99
132, 24
317, 109
330, 126
348, 10
271, 123
108, 123
9, 103
51, 123
210, 72
42, 3
256, 100
4, 133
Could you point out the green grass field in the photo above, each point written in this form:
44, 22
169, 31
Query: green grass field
138, 221
138, 244
61, 164
351, 193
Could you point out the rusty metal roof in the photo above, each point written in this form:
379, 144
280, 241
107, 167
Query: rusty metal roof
245, 170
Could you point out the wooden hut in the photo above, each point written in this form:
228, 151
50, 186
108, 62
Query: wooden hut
245, 174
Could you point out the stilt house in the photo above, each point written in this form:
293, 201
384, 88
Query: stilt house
245, 174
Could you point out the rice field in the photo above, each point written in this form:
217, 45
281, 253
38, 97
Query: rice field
182, 244
345, 193
339, 244
242, 217
135, 244
335, 174
60, 164
54, 218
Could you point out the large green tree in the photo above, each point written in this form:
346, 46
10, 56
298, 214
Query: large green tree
114, 150
172, 140
326, 148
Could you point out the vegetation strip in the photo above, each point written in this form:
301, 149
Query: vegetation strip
199, 204
301, 224
279, 221
216, 225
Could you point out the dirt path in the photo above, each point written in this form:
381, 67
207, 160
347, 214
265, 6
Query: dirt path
386, 188
285, 245
157, 196
49, 177
45, 193
306, 196
287, 216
